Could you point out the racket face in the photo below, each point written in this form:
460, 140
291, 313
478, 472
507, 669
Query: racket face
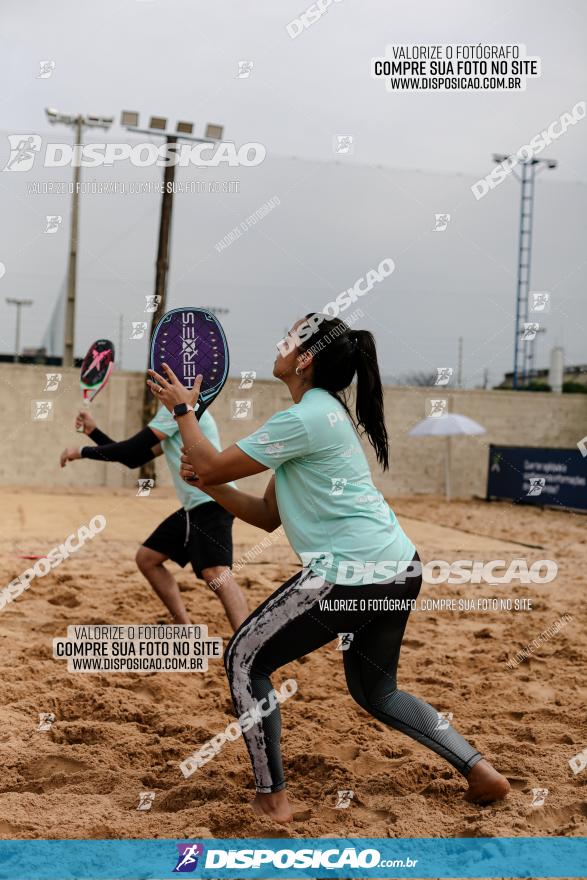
192, 341
96, 367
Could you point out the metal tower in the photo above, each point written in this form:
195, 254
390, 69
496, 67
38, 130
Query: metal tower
521, 346
524, 349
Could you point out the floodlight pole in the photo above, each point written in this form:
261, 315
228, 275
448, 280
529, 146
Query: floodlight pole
162, 264
161, 270
69, 330
523, 352
78, 121
527, 179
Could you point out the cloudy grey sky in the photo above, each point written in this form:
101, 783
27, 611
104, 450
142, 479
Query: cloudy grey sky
415, 154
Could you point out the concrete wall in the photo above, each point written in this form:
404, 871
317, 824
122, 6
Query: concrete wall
32, 447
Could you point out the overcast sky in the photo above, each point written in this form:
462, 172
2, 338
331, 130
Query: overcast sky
414, 155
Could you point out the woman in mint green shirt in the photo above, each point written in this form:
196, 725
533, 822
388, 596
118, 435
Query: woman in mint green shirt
361, 573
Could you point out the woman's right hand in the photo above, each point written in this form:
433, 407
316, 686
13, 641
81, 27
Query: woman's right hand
84, 422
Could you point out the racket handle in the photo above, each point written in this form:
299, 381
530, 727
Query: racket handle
85, 408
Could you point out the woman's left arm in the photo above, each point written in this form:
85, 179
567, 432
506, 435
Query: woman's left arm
212, 467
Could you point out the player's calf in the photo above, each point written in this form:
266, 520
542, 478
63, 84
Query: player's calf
221, 581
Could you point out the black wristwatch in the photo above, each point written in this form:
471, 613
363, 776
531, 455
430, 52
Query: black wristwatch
181, 409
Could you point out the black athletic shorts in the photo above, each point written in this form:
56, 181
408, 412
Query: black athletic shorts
202, 536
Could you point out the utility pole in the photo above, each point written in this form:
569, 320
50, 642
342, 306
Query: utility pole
460, 364
77, 122
522, 351
162, 263
120, 337
69, 338
157, 126
19, 303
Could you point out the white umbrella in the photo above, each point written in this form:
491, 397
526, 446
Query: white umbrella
446, 425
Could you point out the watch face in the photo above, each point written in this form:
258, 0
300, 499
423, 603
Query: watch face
180, 409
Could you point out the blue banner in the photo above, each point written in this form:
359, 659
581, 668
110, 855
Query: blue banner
555, 477
294, 857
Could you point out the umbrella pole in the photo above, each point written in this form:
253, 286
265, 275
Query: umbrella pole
447, 464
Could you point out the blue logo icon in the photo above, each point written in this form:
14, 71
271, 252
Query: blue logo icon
187, 859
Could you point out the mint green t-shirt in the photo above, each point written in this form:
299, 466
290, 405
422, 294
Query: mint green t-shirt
189, 496
337, 522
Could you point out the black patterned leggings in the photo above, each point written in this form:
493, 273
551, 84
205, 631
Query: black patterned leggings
292, 623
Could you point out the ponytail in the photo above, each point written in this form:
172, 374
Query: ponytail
349, 353
369, 397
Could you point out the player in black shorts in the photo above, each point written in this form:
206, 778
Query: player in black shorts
200, 532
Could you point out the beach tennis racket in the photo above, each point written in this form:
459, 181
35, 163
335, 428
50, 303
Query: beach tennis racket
192, 341
95, 370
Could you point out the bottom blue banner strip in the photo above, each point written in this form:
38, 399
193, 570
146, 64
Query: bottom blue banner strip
503, 857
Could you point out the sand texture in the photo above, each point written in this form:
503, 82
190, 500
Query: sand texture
116, 735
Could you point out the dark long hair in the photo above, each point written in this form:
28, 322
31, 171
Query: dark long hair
340, 354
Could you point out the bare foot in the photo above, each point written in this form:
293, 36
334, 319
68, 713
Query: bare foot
486, 784
275, 806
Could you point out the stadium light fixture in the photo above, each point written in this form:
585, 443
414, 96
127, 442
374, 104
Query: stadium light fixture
214, 132
55, 116
93, 121
129, 118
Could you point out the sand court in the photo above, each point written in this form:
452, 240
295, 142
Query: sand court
117, 735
